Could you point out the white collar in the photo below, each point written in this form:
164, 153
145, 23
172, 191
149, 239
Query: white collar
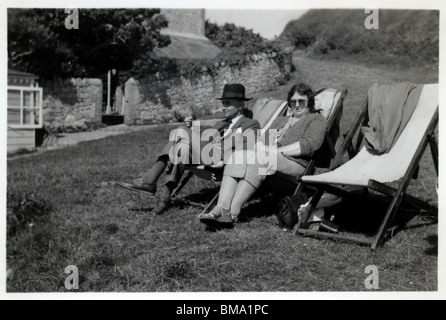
234, 121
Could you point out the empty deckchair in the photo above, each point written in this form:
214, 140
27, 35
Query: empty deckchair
328, 101
373, 171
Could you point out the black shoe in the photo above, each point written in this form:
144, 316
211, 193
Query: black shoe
162, 207
217, 222
139, 186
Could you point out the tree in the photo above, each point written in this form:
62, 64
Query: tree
39, 42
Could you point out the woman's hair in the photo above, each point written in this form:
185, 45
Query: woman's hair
303, 90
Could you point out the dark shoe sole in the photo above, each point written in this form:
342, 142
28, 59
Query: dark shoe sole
216, 223
131, 187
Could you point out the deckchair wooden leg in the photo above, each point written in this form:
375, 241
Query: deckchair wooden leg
303, 221
434, 149
387, 220
351, 151
335, 236
399, 195
181, 185
214, 199
391, 192
348, 139
309, 170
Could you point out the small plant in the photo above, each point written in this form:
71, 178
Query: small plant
24, 210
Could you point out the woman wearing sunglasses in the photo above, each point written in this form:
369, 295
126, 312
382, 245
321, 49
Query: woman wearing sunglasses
298, 135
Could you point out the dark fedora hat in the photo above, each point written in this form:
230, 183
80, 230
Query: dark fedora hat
234, 91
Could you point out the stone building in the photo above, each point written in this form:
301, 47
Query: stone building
187, 33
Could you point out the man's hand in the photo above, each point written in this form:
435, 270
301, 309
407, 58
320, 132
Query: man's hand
219, 165
188, 121
216, 177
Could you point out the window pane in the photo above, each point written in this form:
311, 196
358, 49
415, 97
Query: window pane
13, 116
13, 98
28, 117
36, 98
26, 98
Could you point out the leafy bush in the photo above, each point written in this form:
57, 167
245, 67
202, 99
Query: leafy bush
239, 44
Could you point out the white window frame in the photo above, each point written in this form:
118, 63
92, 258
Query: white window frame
38, 107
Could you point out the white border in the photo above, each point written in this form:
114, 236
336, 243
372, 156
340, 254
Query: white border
227, 4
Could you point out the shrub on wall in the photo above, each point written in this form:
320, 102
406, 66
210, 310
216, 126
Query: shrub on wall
239, 47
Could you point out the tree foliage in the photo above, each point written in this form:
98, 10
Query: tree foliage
39, 42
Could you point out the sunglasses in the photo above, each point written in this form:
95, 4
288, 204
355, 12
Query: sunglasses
301, 102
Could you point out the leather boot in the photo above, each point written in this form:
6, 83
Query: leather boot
164, 200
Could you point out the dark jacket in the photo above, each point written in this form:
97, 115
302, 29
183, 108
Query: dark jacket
244, 123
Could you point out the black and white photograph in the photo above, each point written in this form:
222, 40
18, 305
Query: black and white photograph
220, 150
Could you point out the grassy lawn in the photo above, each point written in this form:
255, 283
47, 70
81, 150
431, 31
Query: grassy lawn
108, 233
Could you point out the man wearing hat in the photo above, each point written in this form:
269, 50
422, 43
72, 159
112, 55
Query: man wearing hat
235, 122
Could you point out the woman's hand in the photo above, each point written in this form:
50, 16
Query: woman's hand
293, 150
259, 147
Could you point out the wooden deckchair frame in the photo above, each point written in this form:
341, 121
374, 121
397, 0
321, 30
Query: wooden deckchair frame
397, 195
328, 146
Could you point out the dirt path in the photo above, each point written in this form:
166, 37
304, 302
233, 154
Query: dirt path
64, 140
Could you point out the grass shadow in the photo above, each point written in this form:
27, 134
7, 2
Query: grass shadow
262, 205
365, 216
433, 241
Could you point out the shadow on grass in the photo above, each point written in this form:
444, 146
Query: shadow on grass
361, 216
365, 216
262, 205
204, 196
433, 241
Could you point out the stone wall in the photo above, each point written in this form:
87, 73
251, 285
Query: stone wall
155, 100
72, 105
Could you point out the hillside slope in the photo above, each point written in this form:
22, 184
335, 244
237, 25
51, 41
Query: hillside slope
409, 35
